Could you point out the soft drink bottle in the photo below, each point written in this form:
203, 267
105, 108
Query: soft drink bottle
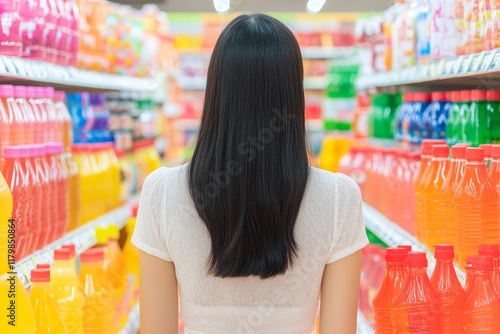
65, 118
74, 211
99, 312
67, 291
433, 230
33, 14
52, 31
468, 272
27, 114
481, 306
131, 254
464, 115
116, 174
37, 197
10, 40
45, 115
445, 282
54, 151
395, 276
475, 121
74, 16
21, 316
388, 185
45, 203
417, 308
48, 102
15, 122
450, 184
494, 172
454, 120
98, 206
476, 207
492, 251
487, 154
37, 116
47, 319
63, 34
420, 181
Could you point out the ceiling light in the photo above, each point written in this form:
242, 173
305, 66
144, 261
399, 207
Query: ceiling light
314, 6
222, 6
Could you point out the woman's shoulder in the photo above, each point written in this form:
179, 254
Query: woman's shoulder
166, 178
334, 182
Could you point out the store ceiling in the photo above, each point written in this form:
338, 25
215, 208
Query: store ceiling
264, 5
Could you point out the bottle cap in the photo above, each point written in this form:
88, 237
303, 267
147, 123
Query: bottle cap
440, 151
25, 151
406, 247
48, 92
493, 95
479, 262
30, 92
59, 95
92, 255
62, 254
422, 97
394, 254
478, 95
20, 91
487, 150
6, 91
113, 232
465, 95
447, 96
438, 96
40, 275
474, 154
11, 152
39, 92
43, 266
408, 97
37, 150
456, 96
495, 151
458, 151
101, 234
426, 146
53, 148
72, 249
444, 252
490, 250
135, 208
417, 260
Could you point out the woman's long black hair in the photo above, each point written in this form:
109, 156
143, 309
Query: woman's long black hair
250, 168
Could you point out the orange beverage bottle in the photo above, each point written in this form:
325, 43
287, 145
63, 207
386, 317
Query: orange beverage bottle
494, 172
468, 272
481, 306
395, 275
492, 251
420, 181
476, 207
453, 178
433, 230
487, 154
99, 312
445, 282
47, 319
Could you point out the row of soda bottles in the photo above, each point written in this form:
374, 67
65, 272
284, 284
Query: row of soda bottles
44, 30
92, 293
441, 201
409, 302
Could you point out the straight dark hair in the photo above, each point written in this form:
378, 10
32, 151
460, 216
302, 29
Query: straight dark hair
250, 167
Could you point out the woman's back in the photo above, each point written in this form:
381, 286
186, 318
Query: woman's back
329, 227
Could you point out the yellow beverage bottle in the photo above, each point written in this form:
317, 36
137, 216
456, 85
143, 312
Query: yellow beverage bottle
115, 176
98, 206
19, 317
104, 167
48, 320
99, 311
67, 292
131, 254
74, 197
86, 182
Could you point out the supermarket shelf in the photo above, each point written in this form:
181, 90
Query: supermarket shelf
480, 69
327, 52
393, 235
364, 326
22, 71
133, 322
199, 83
83, 238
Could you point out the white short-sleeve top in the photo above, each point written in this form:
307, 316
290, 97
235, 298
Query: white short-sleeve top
329, 227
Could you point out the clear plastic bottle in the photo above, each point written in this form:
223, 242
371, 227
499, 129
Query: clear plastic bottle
33, 14
54, 151
45, 224
27, 114
494, 172
15, 122
492, 250
10, 39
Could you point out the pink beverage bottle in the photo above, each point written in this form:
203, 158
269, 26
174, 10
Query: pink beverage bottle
40, 122
54, 151
43, 114
65, 119
5, 121
63, 34
72, 9
16, 176
46, 216
27, 113
53, 117
38, 195
51, 30
33, 13
54, 178
15, 121
10, 40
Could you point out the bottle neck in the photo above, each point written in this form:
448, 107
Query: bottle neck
417, 271
40, 286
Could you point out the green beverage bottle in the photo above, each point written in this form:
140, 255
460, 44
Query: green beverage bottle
465, 96
381, 110
475, 122
454, 120
493, 106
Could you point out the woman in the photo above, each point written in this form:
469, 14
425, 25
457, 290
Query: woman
248, 233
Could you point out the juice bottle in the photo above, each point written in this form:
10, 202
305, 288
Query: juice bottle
45, 226
115, 175
417, 308
494, 172
33, 14
476, 207
10, 40
48, 102
74, 259
420, 182
104, 167
97, 205
39, 113
388, 185
481, 306
494, 115
60, 186
445, 282
487, 155
395, 276
468, 272
475, 122
65, 119
98, 312
47, 319
493, 252
454, 120
450, 184
431, 189
38, 197
73, 194
67, 292
86, 181
17, 306
27, 114
12, 118
131, 255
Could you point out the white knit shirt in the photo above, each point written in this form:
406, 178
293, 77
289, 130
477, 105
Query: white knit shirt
329, 227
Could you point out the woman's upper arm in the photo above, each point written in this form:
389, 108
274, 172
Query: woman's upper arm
158, 299
339, 295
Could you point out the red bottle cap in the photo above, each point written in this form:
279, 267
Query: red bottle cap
71, 247
426, 146
440, 151
40, 275
396, 254
487, 150
474, 154
417, 260
465, 95
479, 262
422, 97
490, 250
406, 247
493, 95
456, 96
92, 255
495, 151
62, 254
43, 266
458, 151
135, 208
478, 95
439, 96
408, 97
444, 252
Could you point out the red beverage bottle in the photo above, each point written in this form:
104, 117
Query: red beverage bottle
38, 195
388, 186
53, 151
30, 130
492, 251
46, 203
417, 309
494, 172
481, 307
445, 282
395, 276
468, 272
